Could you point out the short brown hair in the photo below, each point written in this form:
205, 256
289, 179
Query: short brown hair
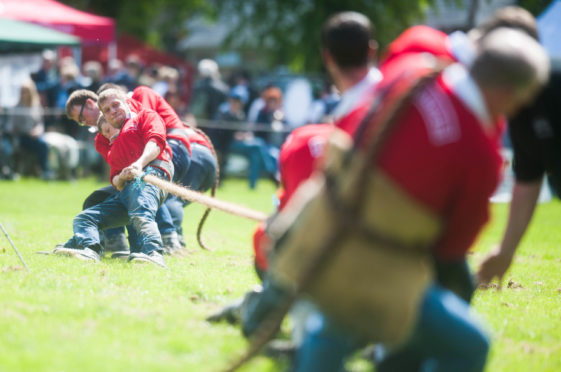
78, 98
111, 93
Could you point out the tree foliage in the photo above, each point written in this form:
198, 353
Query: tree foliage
289, 30
158, 22
285, 31
534, 6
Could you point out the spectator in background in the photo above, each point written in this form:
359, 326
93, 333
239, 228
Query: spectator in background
27, 125
231, 113
133, 66
46, 79
174, 99
272, 117
241, 82
167, 80
68, 83
149, 75
257, 104
209, 92
261, 147
93, 72
117, 74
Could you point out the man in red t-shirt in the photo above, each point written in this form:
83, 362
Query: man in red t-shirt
140, 145
444, 153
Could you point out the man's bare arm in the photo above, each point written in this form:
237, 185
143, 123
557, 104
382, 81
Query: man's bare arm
522, 206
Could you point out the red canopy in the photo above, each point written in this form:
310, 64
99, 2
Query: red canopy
90, 28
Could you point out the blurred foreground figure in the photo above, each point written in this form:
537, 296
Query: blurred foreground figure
412, 183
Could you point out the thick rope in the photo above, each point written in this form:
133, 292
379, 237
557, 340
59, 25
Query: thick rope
197, 197
212, 191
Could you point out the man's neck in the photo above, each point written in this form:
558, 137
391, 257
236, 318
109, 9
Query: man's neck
349, 78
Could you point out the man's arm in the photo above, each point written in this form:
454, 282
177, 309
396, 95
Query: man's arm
522, 206
151, 152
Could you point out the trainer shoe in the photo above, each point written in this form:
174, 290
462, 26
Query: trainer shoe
116, 243
171, 243
121, 254
85, 254
181, 240
230, 313
153, 257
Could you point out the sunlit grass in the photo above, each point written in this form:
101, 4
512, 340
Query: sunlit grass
67, 315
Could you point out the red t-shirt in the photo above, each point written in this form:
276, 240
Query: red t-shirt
299, 157
441, 155
101, 143
135, 133
148, 98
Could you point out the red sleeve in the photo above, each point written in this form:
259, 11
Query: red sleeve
152, 128
102, 145
418, 39
261, 246
148, 98
300, 154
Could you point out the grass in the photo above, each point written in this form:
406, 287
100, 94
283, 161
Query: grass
67, 315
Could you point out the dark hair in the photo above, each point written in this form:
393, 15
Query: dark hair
78, 98
346, 36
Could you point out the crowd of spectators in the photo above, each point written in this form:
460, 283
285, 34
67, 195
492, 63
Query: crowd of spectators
240, 116
36, 137
244, 120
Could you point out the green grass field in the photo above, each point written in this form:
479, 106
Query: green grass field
66, 315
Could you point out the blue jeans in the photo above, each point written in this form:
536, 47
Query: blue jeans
452, 275
137, 205
181, 159
181, 163
163, 217
446, 337
199, 177
262, 157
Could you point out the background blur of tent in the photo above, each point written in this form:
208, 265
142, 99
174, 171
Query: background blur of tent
16, 37
94, 31
549, 28
21, 44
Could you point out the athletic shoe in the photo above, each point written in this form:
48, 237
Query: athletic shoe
181, 240
171, 243
121, 254
230, 313
85, 254
153, 257
116, 243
